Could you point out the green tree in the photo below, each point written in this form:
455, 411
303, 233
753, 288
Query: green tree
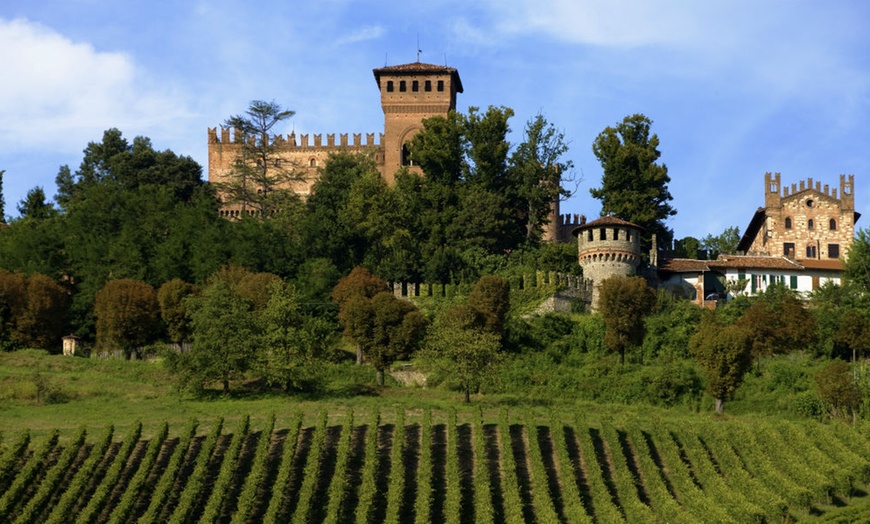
837, 388
491, 298
351, 295
687, 247
723, 244
398, 328
853, 331
539, 169
460, 349
634, 187
290, 346
127, 315
41, 323
2, 199
172, 297
724, 354
224, 339
856, 268
778, 322
259, 175
623, 303
34, 206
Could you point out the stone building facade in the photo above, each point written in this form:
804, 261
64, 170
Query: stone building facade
607, 247
807, 221
410, 93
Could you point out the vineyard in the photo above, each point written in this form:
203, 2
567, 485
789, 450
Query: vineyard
433, 466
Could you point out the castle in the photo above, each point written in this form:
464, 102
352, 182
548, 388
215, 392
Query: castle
410, 93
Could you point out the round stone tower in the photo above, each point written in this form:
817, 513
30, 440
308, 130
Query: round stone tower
607, 247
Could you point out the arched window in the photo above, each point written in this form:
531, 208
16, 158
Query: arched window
788, 222
832, 225
810, 224
312, 162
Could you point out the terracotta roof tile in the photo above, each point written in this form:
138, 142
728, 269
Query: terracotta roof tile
419, 67
683, 265
829, 264
605, 221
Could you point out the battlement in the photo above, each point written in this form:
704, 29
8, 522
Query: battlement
775, 191
570, 220
232, 136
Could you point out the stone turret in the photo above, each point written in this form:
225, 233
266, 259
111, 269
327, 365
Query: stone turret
607, 247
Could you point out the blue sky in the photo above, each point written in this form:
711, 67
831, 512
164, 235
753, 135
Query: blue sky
735, 88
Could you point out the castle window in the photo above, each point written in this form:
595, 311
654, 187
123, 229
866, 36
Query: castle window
441, 85
389, 86
833, 250
832, 225
787, 222
277, 162
602, 234
312, 162
415, 86
403, 86
810, 202
428, 85
811, 251
589, 237
810, 224
788, 249
406, 156
615, 234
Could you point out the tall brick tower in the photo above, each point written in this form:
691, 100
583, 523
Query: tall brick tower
411, 93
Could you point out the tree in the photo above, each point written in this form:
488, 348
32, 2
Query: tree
127, 315
172, 297
634, 187
688, 247
351, 295
259, 174
853, 331
856, 268
725, 355
778, 322
289, 345
723, 244
837, 388
224, 338
623, 304
538, 169
458, 347
2, 199
34, 206
41, 323
491, 298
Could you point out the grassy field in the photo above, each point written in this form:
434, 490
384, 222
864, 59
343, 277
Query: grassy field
354, 453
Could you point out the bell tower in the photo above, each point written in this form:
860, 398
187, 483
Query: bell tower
411, 93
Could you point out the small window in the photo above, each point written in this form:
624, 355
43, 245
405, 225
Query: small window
792, 281
810, 203
833, 250
602, 234
788, 222
428, 85
811, 251
615, 234
403, 86
312, 162
810, 224
277, 162
389, 86
832, 225
406, 156
441, 85
415, 86
788, 249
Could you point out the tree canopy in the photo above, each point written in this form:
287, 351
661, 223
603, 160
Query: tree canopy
634, 187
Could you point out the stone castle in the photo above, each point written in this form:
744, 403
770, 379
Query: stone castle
410, 93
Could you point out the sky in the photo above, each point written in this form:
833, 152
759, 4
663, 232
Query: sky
735, 88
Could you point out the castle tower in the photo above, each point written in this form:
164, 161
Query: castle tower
411, 93
607, 247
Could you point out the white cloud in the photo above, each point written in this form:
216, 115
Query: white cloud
66, 93
372, 32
